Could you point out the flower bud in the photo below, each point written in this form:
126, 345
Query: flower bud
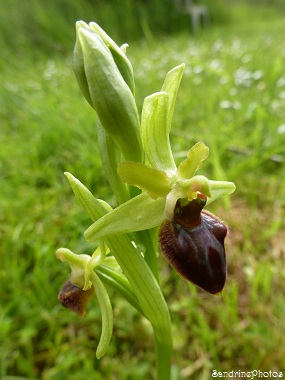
104, 87
193, 243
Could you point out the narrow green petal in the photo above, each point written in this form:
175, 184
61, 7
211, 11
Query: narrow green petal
196, 155
107, 315
155, 182
139, 213
219, 189
171, 86
155, 135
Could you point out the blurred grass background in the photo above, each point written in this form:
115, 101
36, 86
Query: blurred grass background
232, 97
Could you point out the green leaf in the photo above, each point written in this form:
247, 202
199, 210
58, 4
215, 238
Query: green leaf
155, 135
220, 188
171, 85
139, 213
195, 157
155, 182
107, 315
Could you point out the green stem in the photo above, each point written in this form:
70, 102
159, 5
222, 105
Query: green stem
163, 360
110, 156
147, 238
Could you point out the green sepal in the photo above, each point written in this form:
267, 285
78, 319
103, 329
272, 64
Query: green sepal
139, 213
107, 315
154, 131
119, 55
171, 85
195, 157
78, 64
155, 182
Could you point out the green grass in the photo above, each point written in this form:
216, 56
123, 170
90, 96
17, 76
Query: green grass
233, 98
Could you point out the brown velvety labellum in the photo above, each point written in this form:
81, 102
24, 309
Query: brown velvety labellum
193, 243
74, 298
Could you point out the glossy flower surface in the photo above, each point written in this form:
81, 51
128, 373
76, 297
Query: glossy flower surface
193, 243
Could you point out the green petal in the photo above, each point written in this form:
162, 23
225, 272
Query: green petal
219, 189
171, 86
155, 182
139, 213
196, 155
155, 136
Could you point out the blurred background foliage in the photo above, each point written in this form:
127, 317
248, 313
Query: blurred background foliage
46, 26
232, 97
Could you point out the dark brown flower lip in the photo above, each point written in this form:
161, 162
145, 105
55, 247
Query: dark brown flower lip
75, 298
195, 247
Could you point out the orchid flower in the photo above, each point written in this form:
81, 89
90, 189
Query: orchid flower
161, 181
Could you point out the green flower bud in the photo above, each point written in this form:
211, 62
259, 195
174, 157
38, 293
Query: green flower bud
119, 55
104, 87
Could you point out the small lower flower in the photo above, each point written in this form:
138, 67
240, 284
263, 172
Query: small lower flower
193, 243
78, 290
75, 298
